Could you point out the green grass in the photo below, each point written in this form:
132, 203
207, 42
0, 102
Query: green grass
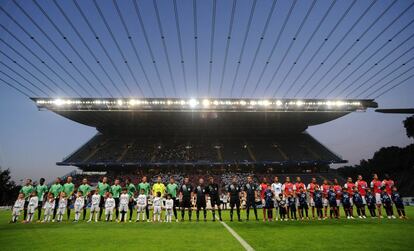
341, 234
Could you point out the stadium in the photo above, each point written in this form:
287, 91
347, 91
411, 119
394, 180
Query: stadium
202, 113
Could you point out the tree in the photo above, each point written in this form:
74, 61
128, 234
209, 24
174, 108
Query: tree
409, 126
8, 189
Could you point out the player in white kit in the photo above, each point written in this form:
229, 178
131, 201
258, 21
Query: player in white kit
169, 204
109, 207
141, 201
31, 208
96, 200
17, 208
157, 203
79, 203
63, 202
49, 206
123, 204
277, 189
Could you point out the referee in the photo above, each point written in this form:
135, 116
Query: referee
233, 191
250, 194
213, 192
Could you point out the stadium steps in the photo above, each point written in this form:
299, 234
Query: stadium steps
125, 151
95, 151
314, 154
251, 153
285, 157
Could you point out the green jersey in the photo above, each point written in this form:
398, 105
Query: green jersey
131, 189
103, 188
144, 186
41, 190
172, 189
26, 190
56, 189
85, 189
116, 190
68, 188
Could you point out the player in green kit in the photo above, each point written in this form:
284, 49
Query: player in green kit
27, 191
41, 190
172, 189
103, 189
56, 189
144, 185
131, 192
116, 190
69, 188
85, 188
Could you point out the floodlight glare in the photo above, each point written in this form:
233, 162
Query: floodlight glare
59, 102
120, 102
206, 103
192, 102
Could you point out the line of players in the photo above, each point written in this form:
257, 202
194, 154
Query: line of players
287, 199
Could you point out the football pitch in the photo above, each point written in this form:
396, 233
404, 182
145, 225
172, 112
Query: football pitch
357, 234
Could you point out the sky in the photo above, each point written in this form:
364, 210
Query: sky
32, 141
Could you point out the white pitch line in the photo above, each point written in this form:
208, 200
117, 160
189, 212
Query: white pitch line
238, 238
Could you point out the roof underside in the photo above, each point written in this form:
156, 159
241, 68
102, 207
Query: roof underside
194, 117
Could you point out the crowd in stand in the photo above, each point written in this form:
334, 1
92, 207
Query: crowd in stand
121, 196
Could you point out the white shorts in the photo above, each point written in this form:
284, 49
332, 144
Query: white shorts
31, 209
363, 200
325, 202
48, 211
378, 199
311, 202
276, 204
157, 209
351, 201
16, 211
297, 202
95, 208
78, 209
123, 207
61, 210
141, 208
338, 203
109, 211
169, 211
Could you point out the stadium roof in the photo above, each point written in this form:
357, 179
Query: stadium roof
183, 48
192, 116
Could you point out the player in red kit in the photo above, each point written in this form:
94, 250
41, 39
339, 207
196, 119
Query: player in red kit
288, 190
338, 190
388, 184
362, 186
325, 188
376, 186
298, 185
311, 188
263, 188
349, 185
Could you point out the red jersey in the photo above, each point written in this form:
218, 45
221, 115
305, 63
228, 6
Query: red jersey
350, 188
376, 185
325, 189
298, 186
311, 188
388, 185
338, 190
263, 188
362, 187
288, 188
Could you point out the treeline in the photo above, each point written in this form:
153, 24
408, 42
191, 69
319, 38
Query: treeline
396, 161
8, 189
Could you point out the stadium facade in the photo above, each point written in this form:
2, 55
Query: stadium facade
138, 133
